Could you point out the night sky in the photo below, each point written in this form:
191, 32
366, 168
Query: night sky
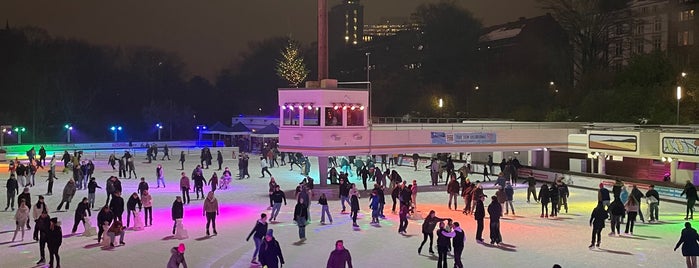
209, 34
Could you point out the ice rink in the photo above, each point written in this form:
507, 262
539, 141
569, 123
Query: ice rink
530, 241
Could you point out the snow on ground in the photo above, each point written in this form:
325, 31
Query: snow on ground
531, 241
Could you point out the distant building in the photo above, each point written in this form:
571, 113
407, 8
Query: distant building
345, 25
643, 27
389, 27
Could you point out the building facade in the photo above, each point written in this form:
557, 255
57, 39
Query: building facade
345, 25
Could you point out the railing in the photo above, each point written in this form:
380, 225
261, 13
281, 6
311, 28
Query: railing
476, 125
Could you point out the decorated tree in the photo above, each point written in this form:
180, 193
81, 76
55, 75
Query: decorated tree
291, 67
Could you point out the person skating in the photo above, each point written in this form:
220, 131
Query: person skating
617, 211
509, 194
563, 194
54, 239
443, 243
258, 232
554, 197
636, 193
166, 153
27, 200
653, 203
403, 216
21, 217
340, 257
300, 217
177, 212
690, 248
104, 217
176, 253
631, 207
374, 206
597, 218
428, 226
531, 187
453, 191
323, 202
12, 189
68, 192
544, 197
277, 197
185, 186
199, 181
143, 185
116, 229
91, 188
467, 193
37, 209
50, 178
691, 191
219, 159
495, 212
603, 196
131, 204
160, 175
213, 182
211, 211
458, 245
41, 229
147, 201
479, 216
182, 159
265, 167
82, 211
110, 188
354, 204
270, 254
117, 206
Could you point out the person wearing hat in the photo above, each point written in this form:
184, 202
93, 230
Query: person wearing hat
177, 257
54, 239
270, 252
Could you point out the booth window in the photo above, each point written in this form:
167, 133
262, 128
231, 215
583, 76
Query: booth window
333, 117
291, 117
355, 117
311, 117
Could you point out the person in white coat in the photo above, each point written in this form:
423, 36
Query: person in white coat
21, 217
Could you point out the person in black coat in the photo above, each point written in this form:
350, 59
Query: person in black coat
553, 196
597, 222
690, 248
41, 229
54, 240
134, 201
617, 211
636, 193
653, 203
80, 213
300, 217
117, 206
270, 252
177, 212
691, 191
12, 189
105, 216
495, 212
428, 226
544, 197
479, 215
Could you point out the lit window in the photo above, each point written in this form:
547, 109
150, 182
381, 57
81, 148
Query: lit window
687, 15
311, 117
333, 117
685, 38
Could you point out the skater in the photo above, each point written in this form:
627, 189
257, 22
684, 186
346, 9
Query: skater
617, 211
147, 201
177, 212
166, 153
374, 206
68, 192
50, 179
131, 204
21, 217
691, 191
199, 181
354, 205
116, 229
258, 232
509, 196
603, 196
631, 207
653, 202
80, 214
479, 215
182, 159
554, 196
458, 245
41, 229
428, 226
54, 238
177, 253
117, 206
344, 192
300, 217
597, 223
544, 197
270, 251
277, 197
403, 216
453, 191
184, 186
160, 175
132, 168
213, 182
211, 211
12, 189
27, 201
340, 257
219, 159
104, 217
36, 213
495, 212
467, 193
443, 243
690, 248
265, 167
122, 167
638, 195
323, 202
91, 188
110, 188
531, 187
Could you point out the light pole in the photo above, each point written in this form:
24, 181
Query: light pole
679, 97
68, 128
116, 130
5, 129
19, 131
368, 68
200, 128
160, 127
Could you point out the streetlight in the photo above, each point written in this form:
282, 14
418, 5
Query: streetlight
200, 128
116, 130
5, 129
19, 131
368, 68
68, 128
160, 127
679, 97
440, 103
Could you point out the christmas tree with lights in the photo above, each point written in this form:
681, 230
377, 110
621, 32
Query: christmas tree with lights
291, 67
